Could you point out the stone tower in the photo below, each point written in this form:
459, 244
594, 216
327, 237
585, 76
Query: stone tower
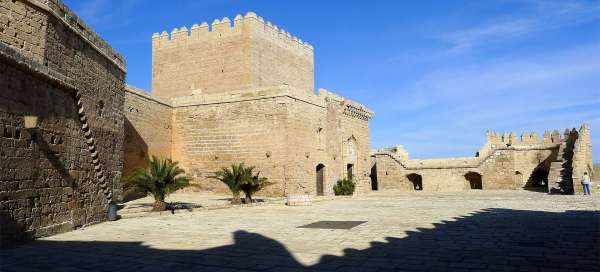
226, 57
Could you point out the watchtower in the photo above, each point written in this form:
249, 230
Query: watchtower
223, 58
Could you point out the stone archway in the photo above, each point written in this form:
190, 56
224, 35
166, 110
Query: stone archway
416, 180
320, 174
474, 180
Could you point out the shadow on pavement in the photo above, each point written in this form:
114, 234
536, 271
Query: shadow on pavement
489, 240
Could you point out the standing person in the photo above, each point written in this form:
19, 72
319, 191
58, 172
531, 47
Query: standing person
585, 181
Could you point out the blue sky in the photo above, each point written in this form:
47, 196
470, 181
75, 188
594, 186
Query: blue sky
438, 74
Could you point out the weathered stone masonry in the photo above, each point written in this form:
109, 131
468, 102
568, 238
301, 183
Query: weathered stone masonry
245, 93
51, 176
554, 163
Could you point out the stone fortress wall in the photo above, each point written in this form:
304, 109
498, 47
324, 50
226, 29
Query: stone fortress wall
246, 94
148, 128
222, 57
56, 68
556, 162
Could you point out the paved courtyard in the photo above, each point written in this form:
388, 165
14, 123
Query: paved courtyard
475, 230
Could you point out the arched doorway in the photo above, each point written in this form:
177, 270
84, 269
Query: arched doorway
320, 171
475, 181
416, 180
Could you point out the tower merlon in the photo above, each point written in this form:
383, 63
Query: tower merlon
218, 27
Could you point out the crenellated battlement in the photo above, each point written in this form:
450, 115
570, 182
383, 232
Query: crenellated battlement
226, 27
228, 55
496, 141
528, 138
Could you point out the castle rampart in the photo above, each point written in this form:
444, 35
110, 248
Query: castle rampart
61, 173
504, 162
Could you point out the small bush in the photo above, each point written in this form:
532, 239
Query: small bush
344, 187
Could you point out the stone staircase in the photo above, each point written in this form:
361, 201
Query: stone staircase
560, 177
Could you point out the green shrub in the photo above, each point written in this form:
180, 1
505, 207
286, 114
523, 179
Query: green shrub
344, 187
162, 178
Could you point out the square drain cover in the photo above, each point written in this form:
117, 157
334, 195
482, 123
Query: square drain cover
333, 224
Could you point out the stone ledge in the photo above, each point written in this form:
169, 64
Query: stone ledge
14, 57
61, 12
144, 94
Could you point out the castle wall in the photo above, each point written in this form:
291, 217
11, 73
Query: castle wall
147, 129
222, 58
504, 162
214, 134
284, 132
306, 136
47, 179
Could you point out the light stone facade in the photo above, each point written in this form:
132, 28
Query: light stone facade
60, 175
247, 53
554, 163
245, 93
147, 129
222, 94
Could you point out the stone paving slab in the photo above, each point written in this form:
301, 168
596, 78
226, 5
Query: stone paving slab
416, 231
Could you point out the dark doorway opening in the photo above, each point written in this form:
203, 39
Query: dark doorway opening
350, 171
374, 185
475, 181
538, 178
320, 179
416, 180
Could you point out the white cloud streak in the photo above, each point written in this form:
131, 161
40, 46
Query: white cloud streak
546, 15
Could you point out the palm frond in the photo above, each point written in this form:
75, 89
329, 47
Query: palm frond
161, 178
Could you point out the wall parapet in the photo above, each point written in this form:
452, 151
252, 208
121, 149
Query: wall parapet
352, 108
224, 26
248, 94
458, 162
495, 142
142, 93
59, 10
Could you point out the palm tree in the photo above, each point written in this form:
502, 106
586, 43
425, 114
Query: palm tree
232, 177
162, 178
240, 178
252, 183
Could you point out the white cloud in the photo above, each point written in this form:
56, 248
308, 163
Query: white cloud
545, 15
456, 105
